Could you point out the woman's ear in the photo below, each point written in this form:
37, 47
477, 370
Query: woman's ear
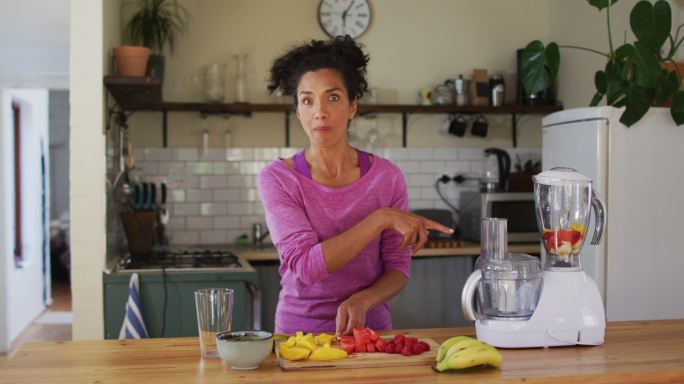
353, 107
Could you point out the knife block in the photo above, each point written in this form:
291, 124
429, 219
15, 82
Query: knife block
141, 231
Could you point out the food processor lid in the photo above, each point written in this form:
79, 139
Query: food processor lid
515, 266
561, 176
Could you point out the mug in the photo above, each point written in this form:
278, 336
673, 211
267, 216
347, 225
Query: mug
457, 126
480, 126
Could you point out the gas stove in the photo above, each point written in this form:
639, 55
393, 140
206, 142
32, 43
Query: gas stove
183, 260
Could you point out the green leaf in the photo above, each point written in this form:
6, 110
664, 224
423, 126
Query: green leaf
600, 81
638, 64
538, 70
596, 99
677, 109
651, 24
639, 100
668, 84
601, 4
616, 90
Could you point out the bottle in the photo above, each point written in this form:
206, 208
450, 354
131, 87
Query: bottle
496, 90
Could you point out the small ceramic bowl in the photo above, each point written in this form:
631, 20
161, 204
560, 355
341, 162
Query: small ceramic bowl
244, 349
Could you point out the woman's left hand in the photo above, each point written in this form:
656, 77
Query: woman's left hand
351, 314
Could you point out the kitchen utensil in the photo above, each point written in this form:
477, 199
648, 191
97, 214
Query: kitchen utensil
164, 213
363, 359
504, 165
496, 90
480, 126
240, 80
244, 350
153, 197
461, 86
214, 312
140, 228
570, 309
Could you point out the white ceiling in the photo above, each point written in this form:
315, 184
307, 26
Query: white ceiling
34, 38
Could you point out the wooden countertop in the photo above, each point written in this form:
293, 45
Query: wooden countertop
268, 252
634, 352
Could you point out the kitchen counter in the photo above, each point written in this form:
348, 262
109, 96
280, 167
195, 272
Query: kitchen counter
268, 252
634, 352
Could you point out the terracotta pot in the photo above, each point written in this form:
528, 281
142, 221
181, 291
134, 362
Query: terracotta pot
131, 60
671, 67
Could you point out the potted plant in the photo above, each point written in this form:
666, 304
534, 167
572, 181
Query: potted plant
156, 24
636, 76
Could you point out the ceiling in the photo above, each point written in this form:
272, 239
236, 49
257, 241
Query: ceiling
34, 38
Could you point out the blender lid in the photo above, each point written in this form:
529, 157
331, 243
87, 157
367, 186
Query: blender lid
561, 176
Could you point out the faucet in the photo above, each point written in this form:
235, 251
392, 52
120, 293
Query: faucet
258, 234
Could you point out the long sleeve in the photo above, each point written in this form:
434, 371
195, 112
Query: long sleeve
298, 245
392, 257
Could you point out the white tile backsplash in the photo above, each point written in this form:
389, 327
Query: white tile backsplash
214, 199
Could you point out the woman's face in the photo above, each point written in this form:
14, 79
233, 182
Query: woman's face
324, 108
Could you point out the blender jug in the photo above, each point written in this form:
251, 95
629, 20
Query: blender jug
563, 198
507, 285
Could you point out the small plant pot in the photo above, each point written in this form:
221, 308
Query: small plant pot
131, 60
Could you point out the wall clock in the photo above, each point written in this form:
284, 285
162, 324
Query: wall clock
344, 17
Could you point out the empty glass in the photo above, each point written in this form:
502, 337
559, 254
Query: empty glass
214, 315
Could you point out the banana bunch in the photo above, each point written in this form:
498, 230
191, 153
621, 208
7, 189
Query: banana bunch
464, 352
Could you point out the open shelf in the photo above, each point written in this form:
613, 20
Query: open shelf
144, 94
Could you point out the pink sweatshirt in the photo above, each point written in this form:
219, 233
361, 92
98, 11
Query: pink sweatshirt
301, 214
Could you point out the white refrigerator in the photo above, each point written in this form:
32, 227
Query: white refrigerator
639, 174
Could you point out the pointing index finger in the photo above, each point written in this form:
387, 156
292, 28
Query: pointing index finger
429, 224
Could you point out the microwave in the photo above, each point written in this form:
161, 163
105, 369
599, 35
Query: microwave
516, 207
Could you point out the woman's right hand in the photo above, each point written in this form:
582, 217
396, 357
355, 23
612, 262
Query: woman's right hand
414, 228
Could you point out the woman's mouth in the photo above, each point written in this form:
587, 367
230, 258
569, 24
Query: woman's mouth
322, 129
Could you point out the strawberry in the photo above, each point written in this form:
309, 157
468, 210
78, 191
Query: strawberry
373, 336
425, 345
398, 347
370, 347
406, 351
380, 345
417, 349
347, 344
359, 348
389, 348
409, 341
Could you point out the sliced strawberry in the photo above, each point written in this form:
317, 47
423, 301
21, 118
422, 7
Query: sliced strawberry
347, 344
379, 345
576, 237
417, 349
399, 338
398, 347
373, 335
370, 347
361, 336
359, 348
547, 234
425, 345
389, 348
410, 341
565, 235
406, 351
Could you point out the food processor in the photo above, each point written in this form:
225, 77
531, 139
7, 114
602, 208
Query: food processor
520, 306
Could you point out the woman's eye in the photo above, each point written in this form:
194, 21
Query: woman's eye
334, 97
306, 101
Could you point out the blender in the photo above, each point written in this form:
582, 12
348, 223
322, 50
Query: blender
518, 307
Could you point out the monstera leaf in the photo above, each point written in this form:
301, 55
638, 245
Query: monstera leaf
601, 4
651, 23
539, 66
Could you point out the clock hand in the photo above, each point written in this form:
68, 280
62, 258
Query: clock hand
344, 14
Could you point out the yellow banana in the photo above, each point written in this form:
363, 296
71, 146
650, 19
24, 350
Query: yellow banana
460, 346
470, 357
447, 344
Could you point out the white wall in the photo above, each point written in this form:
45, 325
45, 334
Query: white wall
23, 286
87, 174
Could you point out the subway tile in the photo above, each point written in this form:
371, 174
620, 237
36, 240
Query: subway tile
224, 195
213, 237
421, 204
433, 167
176, 222
213, 154
199, 168
177, 196
147, 168
226, 222
200, 195
241, 181
233, 234
138, 153
442, 205
428, 193
249, 194
195, 222
213, 181
239, 154
157, 154
186, 154
421, 180
185, 237
456, 167
186, 209
408, 166
248, 221
413, 193
475, 167
446, 153
166, 168
394, 154
420, 153
240, 209
213, 209
258, 208
251, 167
470, 153
288, 152
193, 181
226, 168
266, 154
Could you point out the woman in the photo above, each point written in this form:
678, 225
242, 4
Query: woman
337, 215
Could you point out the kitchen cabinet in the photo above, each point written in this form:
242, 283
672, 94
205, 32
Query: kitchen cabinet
144, 94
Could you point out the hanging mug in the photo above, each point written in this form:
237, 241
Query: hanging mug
457, 127
480, 126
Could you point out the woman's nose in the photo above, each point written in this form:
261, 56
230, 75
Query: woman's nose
320, 111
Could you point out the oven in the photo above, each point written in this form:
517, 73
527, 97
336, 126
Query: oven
168, 279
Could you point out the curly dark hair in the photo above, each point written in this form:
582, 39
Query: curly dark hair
341, 54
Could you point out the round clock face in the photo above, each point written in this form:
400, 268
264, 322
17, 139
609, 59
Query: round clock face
344, 17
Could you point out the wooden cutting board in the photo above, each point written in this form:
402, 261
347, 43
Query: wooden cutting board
364, 359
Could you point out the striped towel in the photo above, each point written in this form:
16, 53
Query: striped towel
133, 326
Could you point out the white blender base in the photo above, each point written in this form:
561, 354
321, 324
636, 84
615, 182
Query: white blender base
570, 312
